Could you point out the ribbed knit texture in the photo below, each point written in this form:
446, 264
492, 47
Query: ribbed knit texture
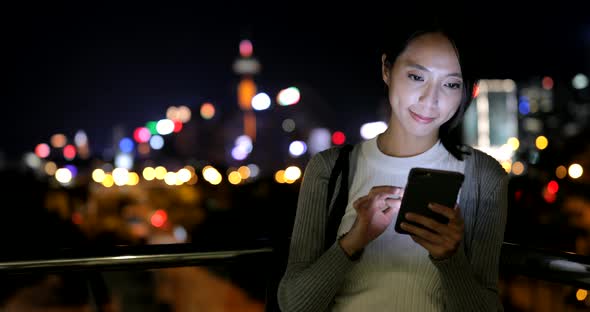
395, 273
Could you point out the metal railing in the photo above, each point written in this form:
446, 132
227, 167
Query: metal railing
557, 266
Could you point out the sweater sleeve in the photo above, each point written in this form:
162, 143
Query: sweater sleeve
470, 284
313, 275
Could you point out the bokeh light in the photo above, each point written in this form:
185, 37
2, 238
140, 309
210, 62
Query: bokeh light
63, 175
547, 83
42, 150
120, 176
58, 140
165, 126
297, 148
518, 168
133, 179
513, 142
50, 168
292, 173
183, 175
69, 152
80, 138
246, 48
156, 142
280, 176
244, 172
575, 171
207, 111
184, 114
260, 101
234, 177
289, 96
141, 135
561, 172
541, 142
148, 173
338, 138
160, 172
288, 125
372, 129
254, 170
159, 218
580, 81
98, 175
126, 145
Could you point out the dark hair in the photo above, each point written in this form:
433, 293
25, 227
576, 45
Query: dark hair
448, 132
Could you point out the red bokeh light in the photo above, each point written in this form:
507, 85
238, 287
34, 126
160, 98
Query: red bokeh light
338, 138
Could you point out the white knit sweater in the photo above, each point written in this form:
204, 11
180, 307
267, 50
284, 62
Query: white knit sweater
394, 272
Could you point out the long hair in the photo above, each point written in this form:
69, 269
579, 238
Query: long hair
448, 132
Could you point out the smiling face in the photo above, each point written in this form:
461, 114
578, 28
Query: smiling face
425, 86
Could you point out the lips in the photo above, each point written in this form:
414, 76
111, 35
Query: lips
421, 119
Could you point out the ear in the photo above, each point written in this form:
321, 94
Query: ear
385, 70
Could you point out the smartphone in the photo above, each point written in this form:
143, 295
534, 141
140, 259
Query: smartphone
428, 186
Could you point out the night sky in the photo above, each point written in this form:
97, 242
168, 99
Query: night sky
74, 66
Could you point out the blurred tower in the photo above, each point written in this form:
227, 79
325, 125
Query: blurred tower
247, 66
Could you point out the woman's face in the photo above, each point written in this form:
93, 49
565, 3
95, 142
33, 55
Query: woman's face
425, 85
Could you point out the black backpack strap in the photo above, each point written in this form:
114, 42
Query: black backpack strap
341, 167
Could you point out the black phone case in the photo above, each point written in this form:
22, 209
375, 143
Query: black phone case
425, 186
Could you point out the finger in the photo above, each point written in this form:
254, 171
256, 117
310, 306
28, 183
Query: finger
450, 213
428, 222
386, 189
423, 233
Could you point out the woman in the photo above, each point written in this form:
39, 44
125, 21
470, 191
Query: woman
371, 267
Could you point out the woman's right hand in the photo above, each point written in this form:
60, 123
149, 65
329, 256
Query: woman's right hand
374, 214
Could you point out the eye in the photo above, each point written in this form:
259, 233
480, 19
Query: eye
415, 77
454, 85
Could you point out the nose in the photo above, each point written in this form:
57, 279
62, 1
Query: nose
429, 96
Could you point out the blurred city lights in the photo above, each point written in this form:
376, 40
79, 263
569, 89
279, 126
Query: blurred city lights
261, 101
80, 138
211, 175
518, 168
297, 148
319, 140
575, 171
580, 81
372, 129
581, 294
124, 161
159, 218
32, 160
239, 153
513, 142
561, 172
42, 150
254, 170
234, 177
133, 179
207, 111
72, 169
98, 175
50, 168
338, 137
184, 175
141, 135
547, 83
541, 142
246, 91
507, 165
172, 113
552, 186
126, 145
69, 152
244, 172
280, 176
246, 48
180, 233
292, 173
170, 178
63, 175
288, 96
508, 85
160, 172
165, 126
58, 140
108, 180
184, 114
288, 125
177, 126
156, 142
523, 105
148, 173
120, 176
152, 127
143, 148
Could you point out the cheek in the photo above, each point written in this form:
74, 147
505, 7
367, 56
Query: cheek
450, 106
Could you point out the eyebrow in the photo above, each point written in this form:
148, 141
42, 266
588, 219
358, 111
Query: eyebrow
420, 67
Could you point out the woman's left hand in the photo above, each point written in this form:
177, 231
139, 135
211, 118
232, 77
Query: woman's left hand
442, 241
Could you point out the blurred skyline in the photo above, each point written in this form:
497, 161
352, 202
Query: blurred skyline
73, 67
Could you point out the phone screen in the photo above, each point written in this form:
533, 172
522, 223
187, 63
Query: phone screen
428, 186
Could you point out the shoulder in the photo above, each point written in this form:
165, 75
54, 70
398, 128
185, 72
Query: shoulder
322, 162
485, 164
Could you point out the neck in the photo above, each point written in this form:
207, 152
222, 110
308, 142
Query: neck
395, 141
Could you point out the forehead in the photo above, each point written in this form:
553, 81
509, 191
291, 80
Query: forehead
432, 51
